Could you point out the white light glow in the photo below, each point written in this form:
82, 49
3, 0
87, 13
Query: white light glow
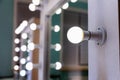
29, 66
31, 46
75, 35
32, 7
65, 6
56, 28
15, 58
21, 27
36, 2
28, 58
33, 26
22, 60
16, 41
23, 48
16, 67
73, 1
58, 65
58, 11
57, 47
22, 73
24, 36
17, 49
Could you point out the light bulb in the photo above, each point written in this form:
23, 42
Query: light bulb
32, 7
22, 73
31, 46
15, 58
75, 35
56, 28
23, 48
24, 36
65, 6
73, 1
33, 26
58, 65
16, 40
29, 66
17, 49
36, 2
59, 11
16, 67
57, 47
22, 60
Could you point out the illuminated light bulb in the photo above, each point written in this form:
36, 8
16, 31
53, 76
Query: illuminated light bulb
24, 36
21, 27
58, 65
57, 47
32, 7
56, 28
75, 35
73, 1
36, 2
22, 73
15, 58
23, 61
33, 26
28, 58
17, 40
31, 46
17, 49
16, 67
58, 11
23, 48
65, 6
29, 66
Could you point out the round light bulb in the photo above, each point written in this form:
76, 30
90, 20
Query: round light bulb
57, 47
22, 73
23, 61
16, 41
24, 35
59, 11
36, 2
65, 6
23, 48
31, 46
33, 26
15, 58
75, 35
56, 28
29, 66
73, 1
17, 49
16, 67
32, 7
58, 65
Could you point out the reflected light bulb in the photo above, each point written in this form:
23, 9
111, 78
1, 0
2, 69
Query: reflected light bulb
75, 35
16, 40
65, 6
58, 65
58, 11
22, 73
56, 28
23, 48
23, 61
24, 35
31, 46
17, 49
57, 47
36, 2
15, 58
33, 26
73, 1
32, 7
29, 66
16, 67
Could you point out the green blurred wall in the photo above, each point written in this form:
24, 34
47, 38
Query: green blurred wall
6, 27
